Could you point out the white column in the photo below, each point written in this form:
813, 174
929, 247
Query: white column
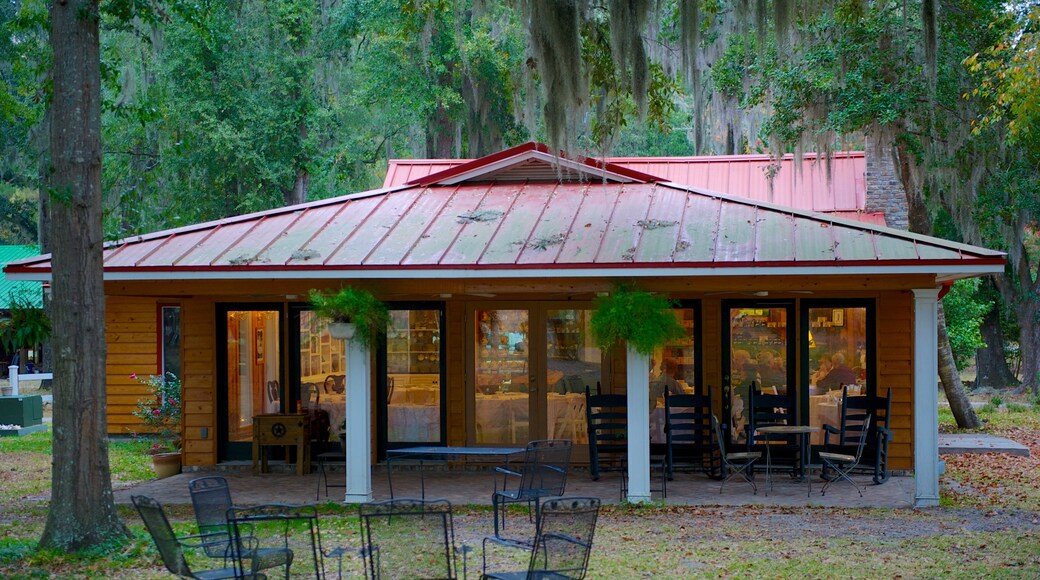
359, 424
12, 374
638, 427
926, 397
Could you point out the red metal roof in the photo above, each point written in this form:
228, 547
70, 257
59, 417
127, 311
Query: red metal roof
804, 186
546, 229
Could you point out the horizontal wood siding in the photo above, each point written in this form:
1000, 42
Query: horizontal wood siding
198, 344
131, 332
895, 327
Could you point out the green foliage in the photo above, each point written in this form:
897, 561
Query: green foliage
369, 315
643, 320
965, 309
160, 413
28, 326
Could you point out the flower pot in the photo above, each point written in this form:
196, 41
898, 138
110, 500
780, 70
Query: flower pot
166, 464
341, 330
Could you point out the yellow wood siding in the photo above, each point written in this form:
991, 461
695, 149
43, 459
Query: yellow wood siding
132, 336
895, 356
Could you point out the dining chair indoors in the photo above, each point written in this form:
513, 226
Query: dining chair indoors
734, 463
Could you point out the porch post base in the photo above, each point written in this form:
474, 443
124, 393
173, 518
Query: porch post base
357, 497
632, 498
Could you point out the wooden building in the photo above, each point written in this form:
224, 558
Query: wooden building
490, 268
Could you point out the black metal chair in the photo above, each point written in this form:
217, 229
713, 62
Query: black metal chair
607, 419
843, 464
543, 474
740, 463
854, 409
561, 546
277, 536
769, 409
688, 433
408, 538
171, 548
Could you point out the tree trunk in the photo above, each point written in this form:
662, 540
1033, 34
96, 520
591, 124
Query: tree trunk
921, 223
992, 368
1029, 342
960, 404
82, 510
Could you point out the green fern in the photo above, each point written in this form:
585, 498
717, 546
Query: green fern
361, 307
643, 320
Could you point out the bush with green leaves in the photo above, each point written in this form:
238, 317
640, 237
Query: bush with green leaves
360, 307
28, 327
160, 412
965, 309
643, 320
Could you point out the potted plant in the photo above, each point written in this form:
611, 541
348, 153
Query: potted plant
641, 319
355, 306
160, 413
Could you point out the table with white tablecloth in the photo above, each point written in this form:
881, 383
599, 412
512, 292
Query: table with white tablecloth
502, 418
565, 417
336, 407
823, 410
407, 422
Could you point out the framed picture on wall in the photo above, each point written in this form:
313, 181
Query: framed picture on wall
259, 345
838, 316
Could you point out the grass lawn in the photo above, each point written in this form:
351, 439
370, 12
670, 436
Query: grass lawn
988, 525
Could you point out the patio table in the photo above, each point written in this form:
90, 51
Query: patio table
799, 431
425, 452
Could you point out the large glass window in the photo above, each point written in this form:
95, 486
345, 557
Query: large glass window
759, 356
413, 377
837, 345
501, 401
253, 366
322, 377
573, 362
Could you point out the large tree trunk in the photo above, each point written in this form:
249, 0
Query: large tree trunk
992, 368
960, 404
1029, 343
921, 223
82, 511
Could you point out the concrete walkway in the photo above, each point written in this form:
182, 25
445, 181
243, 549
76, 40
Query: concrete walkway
475, 487
957, 443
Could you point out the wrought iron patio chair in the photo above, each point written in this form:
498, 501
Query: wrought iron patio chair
542, 474
842, 438
843, 464
740, 463
277, 536
562, 543
409, 538
211, 500
171, 548
606, 417
688, 433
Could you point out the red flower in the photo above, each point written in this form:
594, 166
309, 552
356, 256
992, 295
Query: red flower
133, 376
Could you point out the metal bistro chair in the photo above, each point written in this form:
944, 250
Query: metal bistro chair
171, 548
277, 536
543, 474
736, 463
843, 464
408, 538
562, 542
211, 500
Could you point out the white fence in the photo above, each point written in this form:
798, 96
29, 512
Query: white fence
15, 378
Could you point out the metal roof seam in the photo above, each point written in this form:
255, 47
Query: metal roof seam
425, 231
498, 226
715, 231
317, 231
168, 242
243, 236
574, 220
458, 232
386, 234
609, 223
281, 234
360, 223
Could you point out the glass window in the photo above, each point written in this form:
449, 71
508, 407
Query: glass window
413, 377
501, 404
171, 340
573, 362
323, 378
252, 370
758, 355
837, 358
